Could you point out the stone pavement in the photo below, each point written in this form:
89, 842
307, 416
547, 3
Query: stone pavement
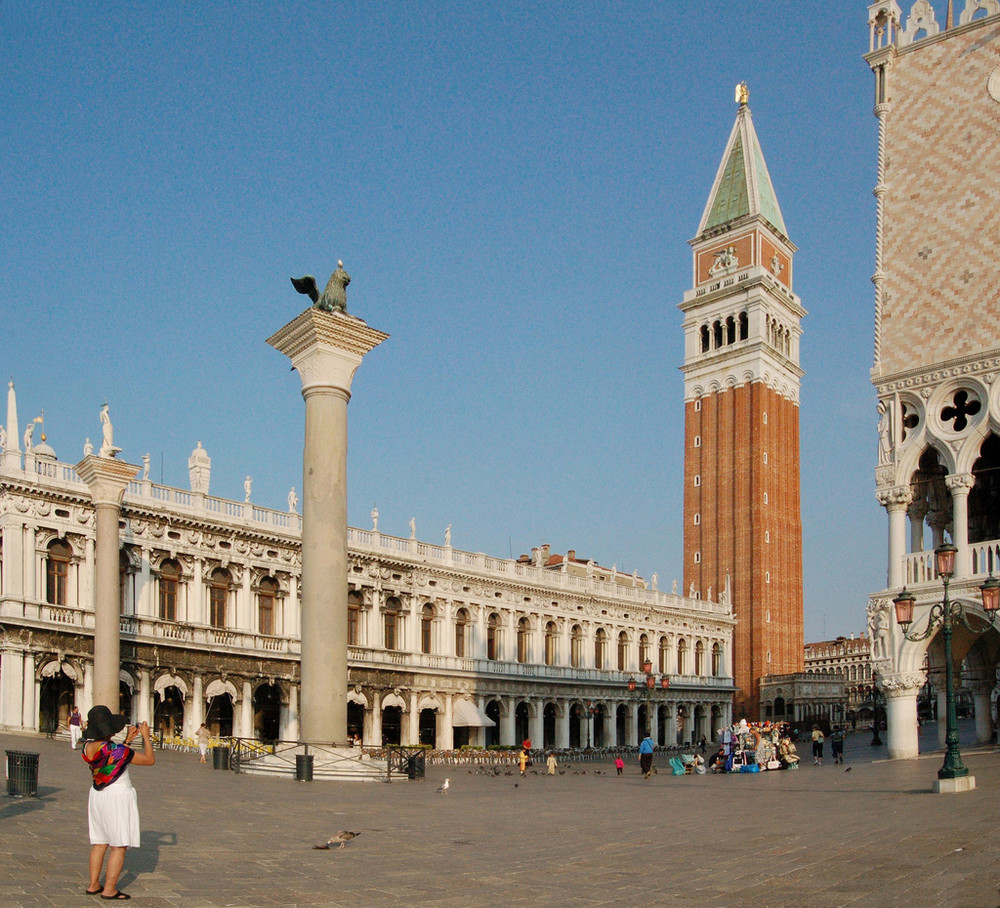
819, 837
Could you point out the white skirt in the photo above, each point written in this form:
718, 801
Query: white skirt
114, 814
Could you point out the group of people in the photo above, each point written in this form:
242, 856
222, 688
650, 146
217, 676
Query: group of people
754, 747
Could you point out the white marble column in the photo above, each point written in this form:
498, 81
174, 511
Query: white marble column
446, 731
901, 714
29, 703
12, 685
246, 711
106, 478
326, 349
959, 484
145, 706
375, 738
896, 500
197, 702
984, 718
562, 726
536, 724
507, 725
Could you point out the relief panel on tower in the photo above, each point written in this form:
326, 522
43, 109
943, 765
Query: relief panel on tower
776, 261
725, 259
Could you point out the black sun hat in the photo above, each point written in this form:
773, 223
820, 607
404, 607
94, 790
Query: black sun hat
102, 723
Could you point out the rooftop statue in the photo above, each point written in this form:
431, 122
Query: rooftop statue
334, 298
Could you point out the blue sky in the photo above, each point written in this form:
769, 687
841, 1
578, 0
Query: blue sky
511, 187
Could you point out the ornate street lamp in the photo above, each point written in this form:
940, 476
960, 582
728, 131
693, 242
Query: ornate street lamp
650, 685
941, 615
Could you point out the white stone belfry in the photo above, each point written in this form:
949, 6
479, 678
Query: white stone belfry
326, 349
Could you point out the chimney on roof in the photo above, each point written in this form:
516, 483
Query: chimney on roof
571, 554
546, 551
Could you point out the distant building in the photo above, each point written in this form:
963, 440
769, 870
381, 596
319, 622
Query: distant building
445, 647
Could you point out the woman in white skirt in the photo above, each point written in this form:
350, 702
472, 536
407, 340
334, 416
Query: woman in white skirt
113, 809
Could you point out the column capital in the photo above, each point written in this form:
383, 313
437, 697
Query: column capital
894, 498
106, 477
960, 483
903, 684
326, 348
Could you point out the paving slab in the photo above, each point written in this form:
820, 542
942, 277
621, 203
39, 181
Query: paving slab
820, 837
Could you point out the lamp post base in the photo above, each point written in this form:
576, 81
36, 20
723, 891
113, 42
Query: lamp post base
954, 786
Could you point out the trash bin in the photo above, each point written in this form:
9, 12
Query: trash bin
303, 767
415, 765
22, 774
220, 758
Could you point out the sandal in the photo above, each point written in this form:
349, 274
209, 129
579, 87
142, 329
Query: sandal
97, 891
118, 895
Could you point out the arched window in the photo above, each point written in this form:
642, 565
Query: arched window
600, 647
354, 601
426, 627
716, 335
622, 650
169, 583
664, 649
461, 632
716, 660
493, 637
699, 658
682, 656
523, 630
390, 622
57, 572
550, 643
744, 324
576, 646
706, 342
643, 650
218, 594
267, 597
730, 330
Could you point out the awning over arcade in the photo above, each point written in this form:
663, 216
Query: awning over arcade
465, 712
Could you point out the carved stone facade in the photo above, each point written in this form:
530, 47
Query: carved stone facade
445, 647
937, 337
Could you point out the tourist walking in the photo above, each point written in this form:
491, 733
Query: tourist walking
113, 807
75, 727
203, 734
837, 744
817, 739
551, 764
619, 765
646, 756
522, 760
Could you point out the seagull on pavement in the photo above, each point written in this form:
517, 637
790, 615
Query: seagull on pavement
444, 788
343, 837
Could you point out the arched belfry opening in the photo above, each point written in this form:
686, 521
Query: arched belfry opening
931, 503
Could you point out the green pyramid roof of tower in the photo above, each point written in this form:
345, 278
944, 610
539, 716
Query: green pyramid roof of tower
742, 187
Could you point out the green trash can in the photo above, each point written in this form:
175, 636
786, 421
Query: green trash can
303, 767
22, 774
220, 758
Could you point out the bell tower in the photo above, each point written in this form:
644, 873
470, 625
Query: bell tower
742, 521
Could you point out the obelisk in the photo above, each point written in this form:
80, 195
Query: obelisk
107, 478
326, 346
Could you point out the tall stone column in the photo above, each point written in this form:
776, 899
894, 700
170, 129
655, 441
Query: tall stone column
896, 500
107, 478
326, 349
959, 484
901, 713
